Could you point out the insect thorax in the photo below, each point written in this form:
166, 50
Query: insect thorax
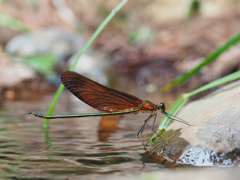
148, 107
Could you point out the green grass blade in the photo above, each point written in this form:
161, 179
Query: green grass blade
53, 104
223, 80
12, 23
95, 34
194, 8
208, 60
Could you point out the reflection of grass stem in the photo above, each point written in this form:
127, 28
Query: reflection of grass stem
96, 33
47, 138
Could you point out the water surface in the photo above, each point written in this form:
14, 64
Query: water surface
71, 147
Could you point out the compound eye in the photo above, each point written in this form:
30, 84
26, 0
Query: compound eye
163, 107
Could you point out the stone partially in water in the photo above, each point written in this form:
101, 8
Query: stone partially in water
214, 138
216, 120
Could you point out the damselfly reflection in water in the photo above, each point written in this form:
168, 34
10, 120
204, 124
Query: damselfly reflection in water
108, 100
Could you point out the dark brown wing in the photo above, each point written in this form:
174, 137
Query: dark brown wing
97, 95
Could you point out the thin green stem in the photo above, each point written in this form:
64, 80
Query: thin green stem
95, 34
208, 60
225, 79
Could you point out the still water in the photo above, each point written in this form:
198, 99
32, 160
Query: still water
89, 148
71, 148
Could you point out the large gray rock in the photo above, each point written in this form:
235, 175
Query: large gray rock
216, 120
11, 74
49, 41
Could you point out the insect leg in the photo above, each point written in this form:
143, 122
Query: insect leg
141, 131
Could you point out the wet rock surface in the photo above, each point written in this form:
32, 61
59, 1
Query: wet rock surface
216, 120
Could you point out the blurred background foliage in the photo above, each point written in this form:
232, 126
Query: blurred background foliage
152, 42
